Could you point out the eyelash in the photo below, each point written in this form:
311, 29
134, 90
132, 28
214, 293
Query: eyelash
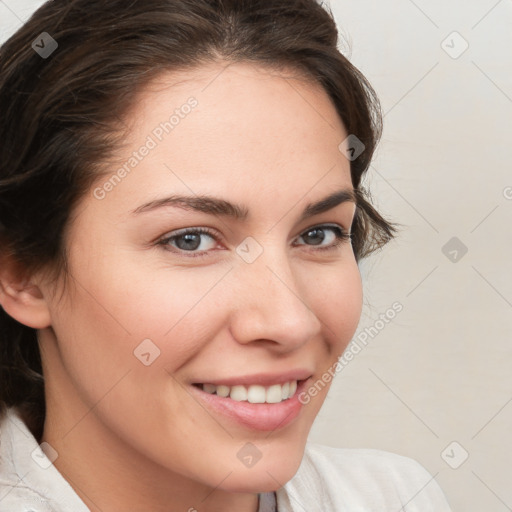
340, 233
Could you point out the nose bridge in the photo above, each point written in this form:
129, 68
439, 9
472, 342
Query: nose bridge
271, 304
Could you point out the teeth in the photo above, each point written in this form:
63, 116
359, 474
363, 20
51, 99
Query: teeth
221, 390
254, 394
238, 393
210, 388
275, 394
285, 391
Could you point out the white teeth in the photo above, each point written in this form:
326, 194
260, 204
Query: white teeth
276, 393
238, 393
285, 390
255, 394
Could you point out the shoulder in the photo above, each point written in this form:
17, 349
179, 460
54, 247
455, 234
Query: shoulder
378, 464
15, 495
29, 482
361, 480
13, 499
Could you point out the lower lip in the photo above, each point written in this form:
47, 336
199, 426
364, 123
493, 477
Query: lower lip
265, 417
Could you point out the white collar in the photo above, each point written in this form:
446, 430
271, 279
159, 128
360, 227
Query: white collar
27, 472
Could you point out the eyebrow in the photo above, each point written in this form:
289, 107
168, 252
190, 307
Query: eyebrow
216, 206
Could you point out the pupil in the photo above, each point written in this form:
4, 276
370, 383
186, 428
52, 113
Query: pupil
192, 241
316, 241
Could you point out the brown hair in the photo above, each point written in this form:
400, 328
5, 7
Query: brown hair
61, 119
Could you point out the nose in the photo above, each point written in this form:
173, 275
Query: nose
271, 304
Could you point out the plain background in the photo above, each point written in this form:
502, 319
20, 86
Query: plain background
434, 383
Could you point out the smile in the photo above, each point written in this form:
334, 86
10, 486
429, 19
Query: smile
254, 394
254, 406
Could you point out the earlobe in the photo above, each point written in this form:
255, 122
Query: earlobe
23, 301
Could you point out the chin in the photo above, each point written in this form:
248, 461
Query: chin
264, 477
249, 482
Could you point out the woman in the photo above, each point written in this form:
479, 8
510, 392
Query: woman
182, 221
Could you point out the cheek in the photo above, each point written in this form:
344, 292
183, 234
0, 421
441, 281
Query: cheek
102, 331
337, 300
116, 308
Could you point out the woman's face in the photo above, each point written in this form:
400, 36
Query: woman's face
262, 298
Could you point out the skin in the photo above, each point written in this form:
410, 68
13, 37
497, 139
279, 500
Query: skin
130, 436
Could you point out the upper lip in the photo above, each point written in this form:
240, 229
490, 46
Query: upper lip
262, 379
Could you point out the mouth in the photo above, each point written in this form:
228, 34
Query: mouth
258, 388
254, 406
254, 394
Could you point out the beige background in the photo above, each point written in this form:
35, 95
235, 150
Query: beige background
439, 372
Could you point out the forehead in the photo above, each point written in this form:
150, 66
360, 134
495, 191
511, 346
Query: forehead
237, 101
221, 128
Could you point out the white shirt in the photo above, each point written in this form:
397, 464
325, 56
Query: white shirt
328, 480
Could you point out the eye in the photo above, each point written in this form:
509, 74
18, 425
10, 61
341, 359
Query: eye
189, 242
317, 235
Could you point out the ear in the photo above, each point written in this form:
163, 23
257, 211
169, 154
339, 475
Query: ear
21, 298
